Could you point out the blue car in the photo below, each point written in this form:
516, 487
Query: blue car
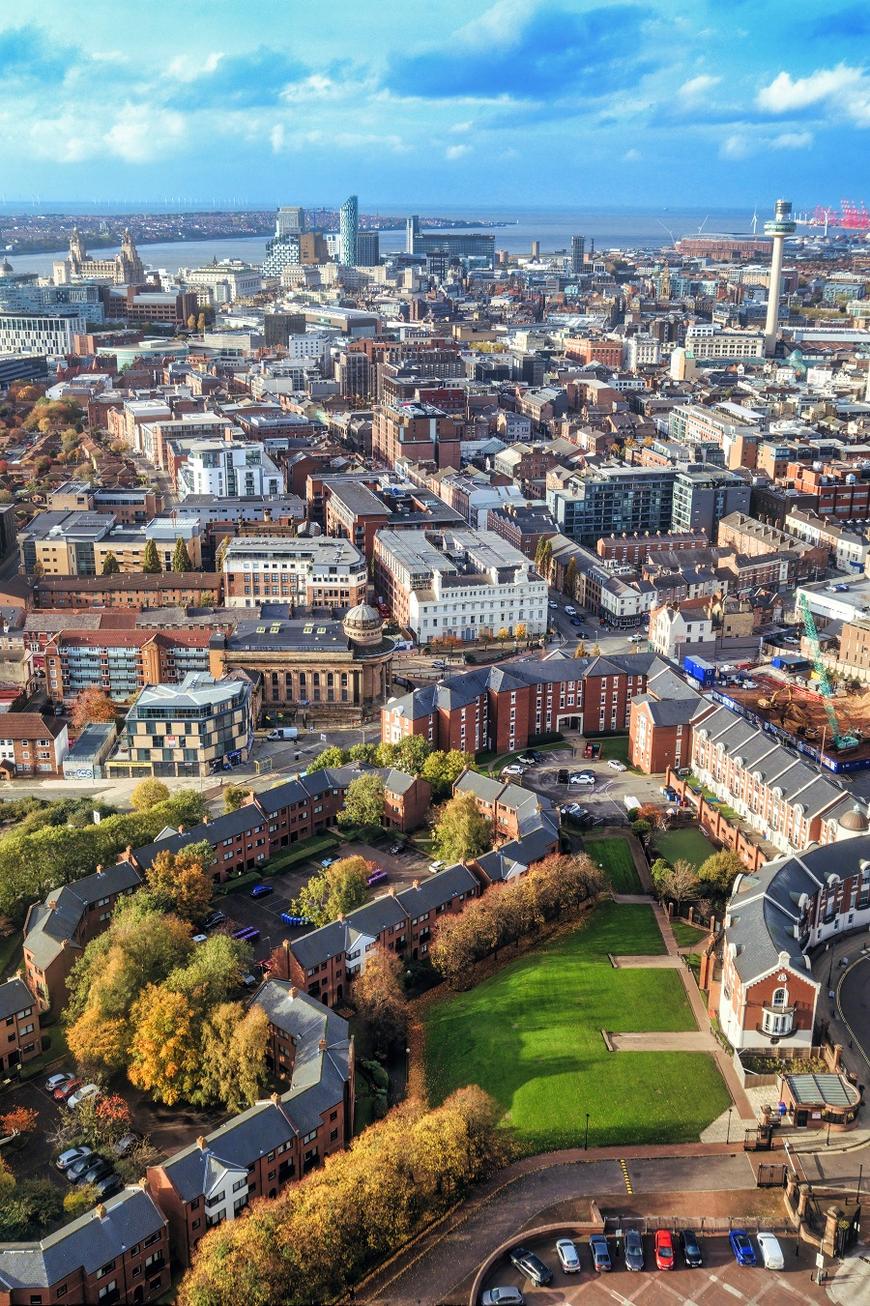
741, 1246
262, 890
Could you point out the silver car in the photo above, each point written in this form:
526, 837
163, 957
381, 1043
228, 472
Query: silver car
569, 1258
503, 1297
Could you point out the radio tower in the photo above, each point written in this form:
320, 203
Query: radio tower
779, 228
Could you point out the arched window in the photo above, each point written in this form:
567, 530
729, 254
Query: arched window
780, 998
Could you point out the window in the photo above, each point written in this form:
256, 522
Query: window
780, 998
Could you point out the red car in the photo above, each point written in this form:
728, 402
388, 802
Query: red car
66, 1090
664, 1245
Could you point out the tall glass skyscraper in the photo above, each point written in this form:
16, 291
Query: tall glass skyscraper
348, 226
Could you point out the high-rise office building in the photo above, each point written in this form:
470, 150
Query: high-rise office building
368, 248
290, 220
348, 231
578, 248
412, 230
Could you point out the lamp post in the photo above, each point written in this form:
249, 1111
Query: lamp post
860, 1176
828, 1135
586, 1139
728, 1135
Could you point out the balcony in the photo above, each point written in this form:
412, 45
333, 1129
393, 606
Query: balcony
776, 1022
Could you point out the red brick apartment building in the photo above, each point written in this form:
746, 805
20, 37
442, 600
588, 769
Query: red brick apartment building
130, 590
19, 1025
504, 708
118, 1252
121, 662
587, 349
415, 432
31, 744
637, 548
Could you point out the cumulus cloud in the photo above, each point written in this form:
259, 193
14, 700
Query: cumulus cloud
632, 156
695, 87
742, 144
140, 133
786, 94
456, 152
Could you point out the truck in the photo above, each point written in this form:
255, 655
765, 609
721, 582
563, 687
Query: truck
699, 669
283, 732
631, 804
591, 750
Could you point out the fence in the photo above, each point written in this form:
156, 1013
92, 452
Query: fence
615, 1225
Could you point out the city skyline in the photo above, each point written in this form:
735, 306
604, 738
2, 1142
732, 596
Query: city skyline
571, 103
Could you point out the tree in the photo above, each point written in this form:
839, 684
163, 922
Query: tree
641, 828
234, 797
151, 564
30, 1209
718, 871
521, 631
679, 883
147, 793
111, 566
411, 754
569, 583
364, 801
379, 998
233, 1055
362, 753
191, 321
180, 557
92, 706
461, 831
334, 892
79, 1200
331, 756
180, 882
385, 754
164, 1055
200, 322
443, 769
20, 1120
659, 869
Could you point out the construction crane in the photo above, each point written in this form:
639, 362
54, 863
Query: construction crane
841, 741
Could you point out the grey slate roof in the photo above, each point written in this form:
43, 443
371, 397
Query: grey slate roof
89, 1242
15, 996
52, 923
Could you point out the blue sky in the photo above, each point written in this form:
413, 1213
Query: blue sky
517, 103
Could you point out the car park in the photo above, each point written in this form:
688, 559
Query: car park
126, 1144
664, 1249
377, 876
108, 1187
216, 918
741, 1246
82, 1094
615, 764
100, 1169
58, 1081
531, 1266
691, 1249
569, 1257
74, 1172
633, 1250
71, 1156
601, 1262
66, 1090
508, 1296
262, 890
771, 1251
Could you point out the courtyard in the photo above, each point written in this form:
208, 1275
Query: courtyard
531, 1035
687, 841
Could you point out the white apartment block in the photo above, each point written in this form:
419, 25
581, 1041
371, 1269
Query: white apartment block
227, 281
676, 630
39, 333
229, 468
319, 572
641, 350
850, 548
463, 585
707, 342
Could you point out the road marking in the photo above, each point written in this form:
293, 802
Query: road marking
726, 1287
617, 1296
624, 1168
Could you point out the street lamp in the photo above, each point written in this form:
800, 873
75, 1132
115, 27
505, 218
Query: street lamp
728, 1135
586, 1139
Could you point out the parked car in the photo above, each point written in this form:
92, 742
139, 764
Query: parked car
74, 1172
436, 867
396, 848
216, 918
571, 610
377, 876
527, 759
57, 1081
587, 780
691, 1249
741, 1246
81, 1094
71, 1155
633, 1250
66, 1090
531, 1266
200, 938
126, 1144
636, 639
671, 794
327, 862
664, 1248
513, 768
574, 621
503, 1297
771, 1251
615, 764
551, 603
108, 1187
569, 1257
601, 1262
262, 890
100, 1169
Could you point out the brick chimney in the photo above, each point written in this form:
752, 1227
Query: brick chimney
99, 868
415, 884
181, 829
294, 992
201, 1143
100, 1211
322, 1045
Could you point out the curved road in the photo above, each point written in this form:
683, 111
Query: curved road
433, 1268
853, 1004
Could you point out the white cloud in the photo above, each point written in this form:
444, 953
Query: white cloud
140, 133
187, 68
277, 138
456, 152
742, 144
844, 91
792, 141
695, 87
632, 156
735, 146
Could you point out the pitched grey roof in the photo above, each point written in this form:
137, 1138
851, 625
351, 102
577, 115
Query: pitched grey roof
52, 923
15, 996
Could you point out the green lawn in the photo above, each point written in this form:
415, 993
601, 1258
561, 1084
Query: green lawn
615, 859
614, 746
687, 935
687, 842
530, 1036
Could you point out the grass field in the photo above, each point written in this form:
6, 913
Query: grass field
688, 842
615, 859
530, 1036
687, 935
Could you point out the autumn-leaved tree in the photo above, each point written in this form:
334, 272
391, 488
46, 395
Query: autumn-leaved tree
411, 754
333, 892
717, 873
679, 883
180, 883
461, 831
147, 793
331, 756
111, 566
233, 1054
379, 998
151, 564
364, 801
569, 583
92, 707
164, 1055
83, 1197
180, 557
234, 797
19, 1120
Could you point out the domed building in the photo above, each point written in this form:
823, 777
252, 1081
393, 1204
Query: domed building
364, 626
852, 823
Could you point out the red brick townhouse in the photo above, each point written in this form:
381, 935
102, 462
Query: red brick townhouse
503, 708
118, 1252
661, 720
324, 962
57, 930
274, 1142
19, 1025
31, 744
525, 826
